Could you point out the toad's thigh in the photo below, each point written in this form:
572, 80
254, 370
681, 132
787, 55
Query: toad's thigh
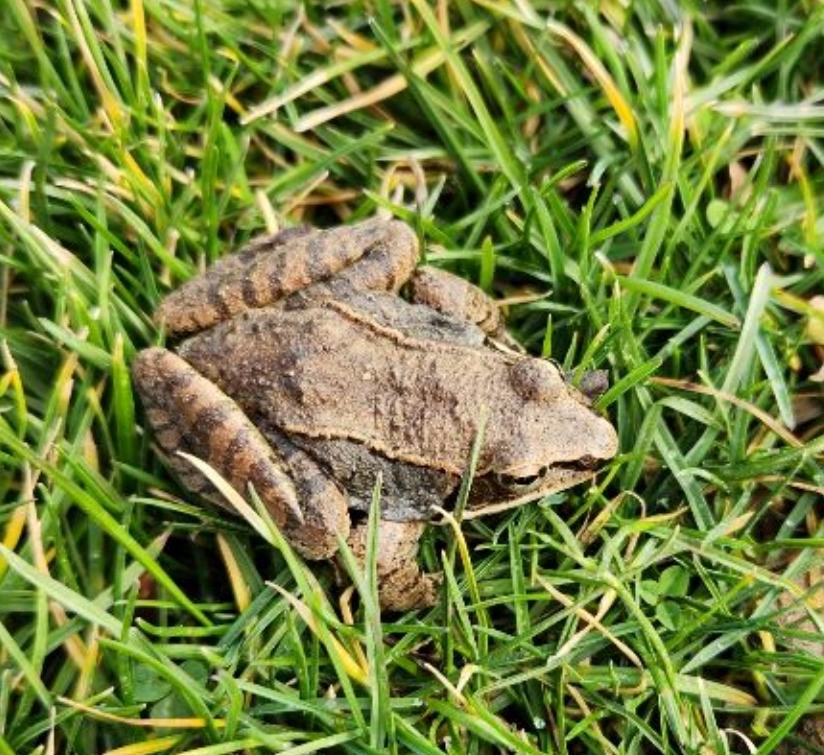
372, 254
188, 413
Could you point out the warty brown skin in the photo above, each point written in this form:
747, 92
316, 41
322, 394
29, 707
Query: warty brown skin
331, 372
308, 377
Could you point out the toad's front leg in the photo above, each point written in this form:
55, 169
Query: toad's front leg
447, 293
452, 295
402, 586
190, 413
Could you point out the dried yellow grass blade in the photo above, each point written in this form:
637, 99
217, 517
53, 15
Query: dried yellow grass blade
773, 424
679, 89
161, 744
799, 174
11, 380
591, 621
74, 646
239, 587
89, 667
140, 44
25, 110
460, 540
144, 723
356, 41
586, 711
12, 533
601, 75
306, 84
453, 691
231, 495
345, 606
817, 489
350, 665
24, 205
110, 103
139, 178
422, 66
547, 70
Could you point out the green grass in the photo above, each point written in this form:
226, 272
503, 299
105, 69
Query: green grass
643, 180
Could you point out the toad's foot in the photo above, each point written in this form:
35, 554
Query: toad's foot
592, 383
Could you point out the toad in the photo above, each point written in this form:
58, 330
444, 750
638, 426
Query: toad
300, 370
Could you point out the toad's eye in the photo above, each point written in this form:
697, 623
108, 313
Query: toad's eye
522, 482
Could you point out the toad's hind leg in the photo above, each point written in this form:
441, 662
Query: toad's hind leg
452, 295
190, 413
402, 585
376, 254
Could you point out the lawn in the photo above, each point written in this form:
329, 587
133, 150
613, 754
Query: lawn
641, 185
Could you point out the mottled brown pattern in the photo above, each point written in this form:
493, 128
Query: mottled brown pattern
408, 491
189, 413
311, 379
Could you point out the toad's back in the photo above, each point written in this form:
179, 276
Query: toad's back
330, 372
322, 372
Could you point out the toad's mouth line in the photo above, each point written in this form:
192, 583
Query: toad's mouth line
530, 481
553, 479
